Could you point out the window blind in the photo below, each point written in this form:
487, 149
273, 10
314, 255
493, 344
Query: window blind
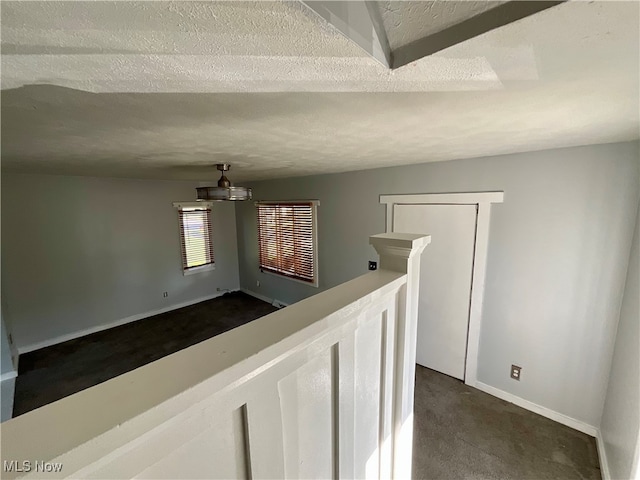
195, 237
286, 239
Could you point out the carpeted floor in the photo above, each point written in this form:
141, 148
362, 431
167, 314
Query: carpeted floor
463, 433
51, 373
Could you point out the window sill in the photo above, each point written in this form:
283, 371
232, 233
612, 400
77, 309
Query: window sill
203, 268
274, 274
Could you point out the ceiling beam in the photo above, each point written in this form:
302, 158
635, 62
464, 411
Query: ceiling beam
491, 19
360, 21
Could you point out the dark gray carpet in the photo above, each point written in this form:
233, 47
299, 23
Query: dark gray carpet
463, 433
51, 373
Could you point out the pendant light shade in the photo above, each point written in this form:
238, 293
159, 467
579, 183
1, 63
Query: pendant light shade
224, 190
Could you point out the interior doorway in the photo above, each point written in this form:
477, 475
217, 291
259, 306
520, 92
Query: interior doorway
445, 282
452, 274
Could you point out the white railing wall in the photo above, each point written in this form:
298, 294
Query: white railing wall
320, 389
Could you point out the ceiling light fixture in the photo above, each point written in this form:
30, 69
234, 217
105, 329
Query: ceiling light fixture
224, 190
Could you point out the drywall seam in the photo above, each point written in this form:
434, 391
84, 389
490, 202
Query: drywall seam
81, 333
540, 410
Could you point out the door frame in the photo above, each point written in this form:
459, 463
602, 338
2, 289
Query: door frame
483, 201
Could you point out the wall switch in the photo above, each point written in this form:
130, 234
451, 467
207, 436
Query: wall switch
373, 265
257, 283
165, 294
515, 372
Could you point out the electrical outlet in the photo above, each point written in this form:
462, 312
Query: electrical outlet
373, 265
165, 294
515, 372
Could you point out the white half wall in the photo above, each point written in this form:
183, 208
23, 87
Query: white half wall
82, 253
8, 374
620, 428
6, 362
558, 252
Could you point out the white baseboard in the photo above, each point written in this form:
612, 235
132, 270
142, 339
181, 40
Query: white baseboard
540, 410
256, 295
272, 301
8, 375
81, 333
602, 457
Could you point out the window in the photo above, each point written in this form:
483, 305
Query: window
195, 239
287, 239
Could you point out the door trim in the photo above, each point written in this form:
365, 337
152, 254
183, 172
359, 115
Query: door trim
483, 201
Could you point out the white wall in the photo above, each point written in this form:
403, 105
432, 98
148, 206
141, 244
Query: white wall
80, 253
621, 417
558, 253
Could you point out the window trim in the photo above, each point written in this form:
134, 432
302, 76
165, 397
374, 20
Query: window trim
199, 269
314, 221
205, 206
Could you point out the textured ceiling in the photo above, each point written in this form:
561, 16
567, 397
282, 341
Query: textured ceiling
153, 46
165, 89
407, 21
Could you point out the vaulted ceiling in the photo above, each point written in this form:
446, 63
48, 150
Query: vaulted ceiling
166, 89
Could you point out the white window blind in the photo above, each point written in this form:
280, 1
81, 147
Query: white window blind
286, 235
195, 237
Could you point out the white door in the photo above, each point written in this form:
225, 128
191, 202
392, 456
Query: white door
445, 281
